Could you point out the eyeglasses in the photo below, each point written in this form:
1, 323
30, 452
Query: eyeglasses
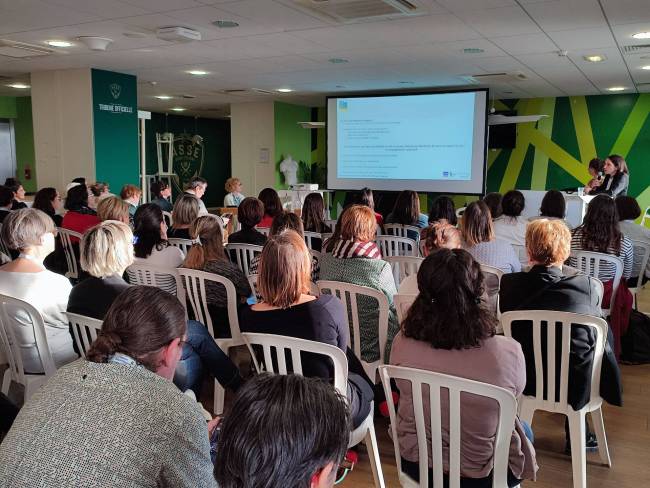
342, 471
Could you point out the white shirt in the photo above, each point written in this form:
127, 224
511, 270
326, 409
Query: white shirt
233, 199
167, 257
511, 229
636, 233
202, 209
48, 292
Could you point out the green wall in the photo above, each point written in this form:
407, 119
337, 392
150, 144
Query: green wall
115, 121
292, 139
216, 165
20, 110
7, 107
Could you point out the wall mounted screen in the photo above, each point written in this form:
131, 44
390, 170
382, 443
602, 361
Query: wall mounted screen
431, 142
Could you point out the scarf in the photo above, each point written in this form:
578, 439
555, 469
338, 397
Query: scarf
356, 249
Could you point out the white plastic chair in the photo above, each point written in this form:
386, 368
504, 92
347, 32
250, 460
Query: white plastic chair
641, 255
169, 218
330, 223
590, 262
403, 266
4, 249
243, 254
68, 250
183, 244
282, 346
403, 302
194, 282
84, 329
401, 230
263, 230
166, 279
460, 211
252, 280
348, 294
446, 389
315, 254
528, 404
396, 246
492, 277
646, 216
9, 308
309, 236
521, 253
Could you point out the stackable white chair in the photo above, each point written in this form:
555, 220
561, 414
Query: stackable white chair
315, 254
403, 302
403, 266
252, 280
396, 246
309, 236
166, 279
11, 344
183, 244
326, 235
281, 346
521, 253
445, 389
330, 223
84, 329
68, 250
548, 369
402, 230
169, 219
460, 211
243, 254
492, 277
646, 216
590, 262
3, 247
641, 255
263, 230
349, 295
194, 282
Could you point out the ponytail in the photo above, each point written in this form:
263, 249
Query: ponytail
106, 344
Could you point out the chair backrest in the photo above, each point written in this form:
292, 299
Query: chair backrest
183, 244
330, 223
252, 280
263, 230
66, 236
448, 390
164, 278
521, 253
169, 219
646, 216
10, 309
348, 294
315, 254
403, 302
396, 246
85, 330
492, 277
641, 255
402, 230
460, 211
591, 262
3, 247
277, 347
309, 236
194, 282
403, 266
243, 255
539, 321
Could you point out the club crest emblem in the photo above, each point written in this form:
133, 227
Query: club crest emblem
116, 90
188, 159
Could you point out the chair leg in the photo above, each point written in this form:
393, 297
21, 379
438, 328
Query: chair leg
526, 412
219, 398
373, 454
599, 428
6, 382
577, 432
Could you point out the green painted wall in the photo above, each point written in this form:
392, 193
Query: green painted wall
7, 107
24, 133
292, 139
115, 122
216, 149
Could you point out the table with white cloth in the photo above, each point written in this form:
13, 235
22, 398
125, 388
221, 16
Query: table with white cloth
576, 205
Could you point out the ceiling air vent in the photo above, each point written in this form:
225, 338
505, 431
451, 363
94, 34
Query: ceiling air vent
498, 77
637, 49
14, 49
356, 10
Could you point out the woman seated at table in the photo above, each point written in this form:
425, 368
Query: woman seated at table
235, 196
617, 178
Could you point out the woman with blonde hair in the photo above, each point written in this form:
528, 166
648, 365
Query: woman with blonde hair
113, 208
186, 210
208, 254
356, 259
288, 309
234, 196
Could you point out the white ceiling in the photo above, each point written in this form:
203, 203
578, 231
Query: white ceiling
279, 45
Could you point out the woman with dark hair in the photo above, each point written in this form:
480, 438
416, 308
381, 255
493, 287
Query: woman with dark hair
493, 201
600, 232
48, 200
479, 240
511, 226
406, 210
365, 197
19, 193
313, 211
249, 214
125, 381
595, 170
443, 209
150, 236
272, 206
160, 191
617, 178
79, 216
553, 207
628, 212
449, 330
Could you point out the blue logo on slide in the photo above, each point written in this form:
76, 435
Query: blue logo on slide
445, 174
343, 105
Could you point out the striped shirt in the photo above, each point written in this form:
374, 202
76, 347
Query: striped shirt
497, 253
607, 270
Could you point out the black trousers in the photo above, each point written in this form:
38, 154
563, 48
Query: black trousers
413, 470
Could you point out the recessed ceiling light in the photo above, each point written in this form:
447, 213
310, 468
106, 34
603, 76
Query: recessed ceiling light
225, 24
163, 97
197, 72
642, 35
646, 67
284, 90
473, 50
338, 60
19, 86
594, 58
616, 88
178, 109
57, 43
339, 86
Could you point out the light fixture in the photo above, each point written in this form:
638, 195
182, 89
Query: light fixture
163, 97
473, 50
58, 43
284, 90
616, 88
594, 58
647, 67
19, 86
338, 60
178, 109
197, 72
225, 24
642, 35
95, 43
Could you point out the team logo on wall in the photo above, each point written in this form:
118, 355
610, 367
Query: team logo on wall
188, 158
116, 90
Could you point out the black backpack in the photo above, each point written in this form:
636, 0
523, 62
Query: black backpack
635, 344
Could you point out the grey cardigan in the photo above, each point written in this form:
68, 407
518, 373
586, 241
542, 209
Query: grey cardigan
99, 425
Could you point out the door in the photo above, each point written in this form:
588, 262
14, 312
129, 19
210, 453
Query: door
7, 150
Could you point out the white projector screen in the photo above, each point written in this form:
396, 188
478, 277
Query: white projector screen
434, 142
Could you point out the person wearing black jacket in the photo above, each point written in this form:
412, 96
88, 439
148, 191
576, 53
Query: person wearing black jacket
549, 286
617, 178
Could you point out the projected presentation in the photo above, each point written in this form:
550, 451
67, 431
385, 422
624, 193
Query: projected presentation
430, 142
